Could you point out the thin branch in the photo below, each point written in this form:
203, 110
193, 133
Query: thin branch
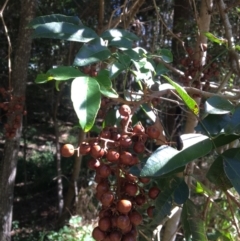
9, 44
101, 16
225, 80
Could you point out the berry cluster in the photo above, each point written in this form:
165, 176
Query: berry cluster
13, 108
194, 70
124, 197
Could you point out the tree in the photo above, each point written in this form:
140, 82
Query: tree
17, 85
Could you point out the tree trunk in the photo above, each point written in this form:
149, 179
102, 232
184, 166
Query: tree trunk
19, 78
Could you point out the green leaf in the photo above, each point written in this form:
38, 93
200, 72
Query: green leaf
216, 174
218, 106
63, 73
234, 125
122, 43
166, 158
223, 139
111, 118
215, 39
118, 33
191, 104
166, 55
231, 164
116, 69
64, 31
214, 124
149, 112
54, 18
43, 78
181, 192
86, 98
161, 69
136, 53
92, 52
193, 225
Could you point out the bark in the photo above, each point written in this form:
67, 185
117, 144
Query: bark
8, 166
203, 21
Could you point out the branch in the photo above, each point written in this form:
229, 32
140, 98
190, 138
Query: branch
9, 44
101, 16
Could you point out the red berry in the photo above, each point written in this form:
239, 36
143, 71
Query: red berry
112, 155
126, 158
103, 187
125, 110
107, 199
153, 132
138, 129
115, 235
140, 199
125, 141
129, 237
105, 133
85, 148
104, 171
98, 234
150, 211
131, 189
139, 147
124, 206
123, 221
67, 150
97, 151
104, 223
153, 192
93, 164
135, 217
144, 180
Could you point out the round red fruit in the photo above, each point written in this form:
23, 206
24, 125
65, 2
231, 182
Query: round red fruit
104, 223
97, 151
126, 158
112, 155
153, 192
131, 189
104, 171
98, 234
153, 132
124, 206
125, 141
140, 199
67, 150
138, 129
123, 221
105, 133
144, 180
107, 199
115, 235
139, 147
93, 164
85, 148
150, 211
129, 237
103, 187
125, 110
135, 217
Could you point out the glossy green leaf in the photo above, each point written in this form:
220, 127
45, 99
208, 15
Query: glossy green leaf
192, 223
64, 31
149, 112
58, 18
223, 139
122, 43
92, 52
166, 158
218, 106
181, 192
231, 164
110, 118
63, 73
214, 124
191, 104
136, 53
118, 33
116, 69
216, 174
234, 125
86, 98
215, 39
166, 55
161, 69
124, 59
43, 78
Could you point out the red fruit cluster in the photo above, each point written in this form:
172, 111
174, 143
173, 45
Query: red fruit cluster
195, 70
123, 196
13, 109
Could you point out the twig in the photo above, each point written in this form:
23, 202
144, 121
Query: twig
235, 222
231, 196
9, 45
101, 16
225, 80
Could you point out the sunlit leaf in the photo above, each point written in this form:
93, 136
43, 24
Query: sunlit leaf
118, 33
92, 52
218, 106
193, 225
64, 31
166, 55
215, 39
59, 18
86, 98
191, 104
43, 78
166, 158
